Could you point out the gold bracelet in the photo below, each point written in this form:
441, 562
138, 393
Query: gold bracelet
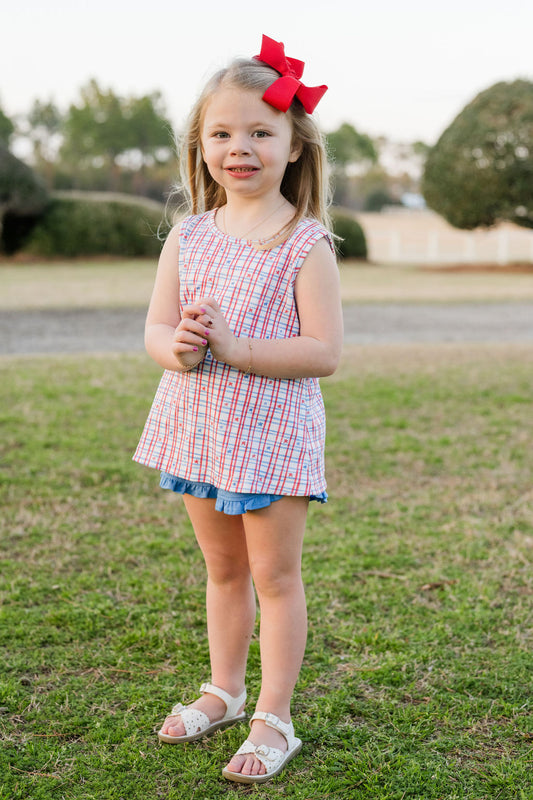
250, 364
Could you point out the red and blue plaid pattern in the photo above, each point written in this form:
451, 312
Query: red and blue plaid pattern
214, 424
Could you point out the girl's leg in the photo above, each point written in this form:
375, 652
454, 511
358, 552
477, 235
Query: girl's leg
274, 538
230, 603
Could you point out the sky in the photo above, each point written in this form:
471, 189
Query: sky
402, 69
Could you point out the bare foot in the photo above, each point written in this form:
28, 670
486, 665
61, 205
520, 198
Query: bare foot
260, 733
210, 704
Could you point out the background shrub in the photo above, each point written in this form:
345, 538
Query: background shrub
23, 198
91, 225
16, 229
378, 199
352, 242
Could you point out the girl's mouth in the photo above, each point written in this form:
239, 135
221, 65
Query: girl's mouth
242, 170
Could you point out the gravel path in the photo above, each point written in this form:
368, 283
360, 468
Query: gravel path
121, 330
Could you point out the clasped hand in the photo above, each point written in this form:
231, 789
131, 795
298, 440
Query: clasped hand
203, 324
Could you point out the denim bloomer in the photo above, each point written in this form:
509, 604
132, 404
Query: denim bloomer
227, 502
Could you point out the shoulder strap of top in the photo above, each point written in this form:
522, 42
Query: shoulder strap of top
308, 233
188, 224
295, 250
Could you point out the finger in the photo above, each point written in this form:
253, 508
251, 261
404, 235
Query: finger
189, 312
205, 319
181, 347
208, 305
200, 325
191, 337
194, 310
187, 346
189, 324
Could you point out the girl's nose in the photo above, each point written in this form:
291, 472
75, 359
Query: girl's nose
240, 146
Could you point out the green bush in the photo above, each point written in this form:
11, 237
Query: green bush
376, 200
23, 198
16, 229
74, 226
352, 241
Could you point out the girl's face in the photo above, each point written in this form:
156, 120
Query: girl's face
246, 144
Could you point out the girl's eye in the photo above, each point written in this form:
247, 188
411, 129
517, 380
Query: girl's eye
220, 135
261, 134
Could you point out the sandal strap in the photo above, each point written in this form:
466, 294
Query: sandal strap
270, 757
233, 704
193, 720
285, 728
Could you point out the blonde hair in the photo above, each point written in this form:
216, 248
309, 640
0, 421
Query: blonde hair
306, 181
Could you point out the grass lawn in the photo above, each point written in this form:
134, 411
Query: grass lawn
101, 283
417, 677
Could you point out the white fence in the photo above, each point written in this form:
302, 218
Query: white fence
422, 237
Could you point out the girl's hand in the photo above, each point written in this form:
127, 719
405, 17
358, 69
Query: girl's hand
190, 343
222, 342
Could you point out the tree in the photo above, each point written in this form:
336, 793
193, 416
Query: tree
110, 132
22, 193
151, 132
45, 123
6, 129
350, 151
481, 169
96, 131
348, 146
150, 127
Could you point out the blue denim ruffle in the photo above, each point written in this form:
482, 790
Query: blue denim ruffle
226, 502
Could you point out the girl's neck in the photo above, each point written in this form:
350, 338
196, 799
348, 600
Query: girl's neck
254, 221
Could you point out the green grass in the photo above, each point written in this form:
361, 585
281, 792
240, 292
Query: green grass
108, 282
417, 676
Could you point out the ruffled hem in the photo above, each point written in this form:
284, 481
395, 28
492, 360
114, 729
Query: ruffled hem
321, 498
187, 487
232, 503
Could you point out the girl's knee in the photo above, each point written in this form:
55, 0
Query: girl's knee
226, 571
274, 582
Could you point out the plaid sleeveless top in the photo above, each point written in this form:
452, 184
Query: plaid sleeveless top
214, 424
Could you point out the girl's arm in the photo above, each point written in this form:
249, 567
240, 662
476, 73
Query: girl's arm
173, 341
315, 352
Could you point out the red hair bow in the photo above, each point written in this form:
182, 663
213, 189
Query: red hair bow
288, 86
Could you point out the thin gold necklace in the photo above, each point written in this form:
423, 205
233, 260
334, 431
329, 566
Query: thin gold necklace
257, 225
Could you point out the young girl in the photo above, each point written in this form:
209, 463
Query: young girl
245, 317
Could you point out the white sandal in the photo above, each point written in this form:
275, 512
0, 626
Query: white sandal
273, 759
198, 724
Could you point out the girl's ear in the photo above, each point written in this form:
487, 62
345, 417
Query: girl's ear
296, 151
